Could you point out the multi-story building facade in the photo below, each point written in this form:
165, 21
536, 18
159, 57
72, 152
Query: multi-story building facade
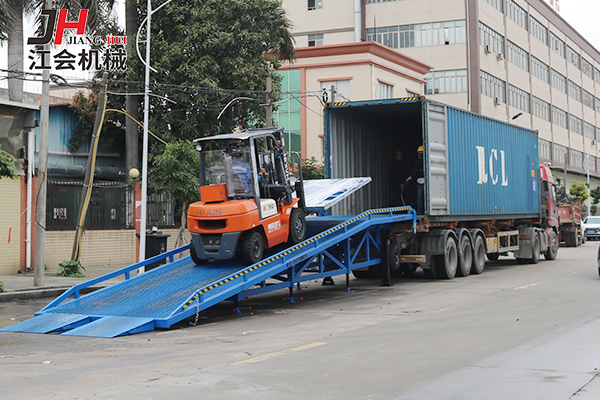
500, 58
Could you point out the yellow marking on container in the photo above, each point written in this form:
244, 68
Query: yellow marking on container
281, 353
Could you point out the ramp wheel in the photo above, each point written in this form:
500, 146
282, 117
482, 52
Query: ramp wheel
297, 226
252, 248
197, 260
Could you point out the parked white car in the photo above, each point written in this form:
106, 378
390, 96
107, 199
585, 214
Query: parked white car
591, 227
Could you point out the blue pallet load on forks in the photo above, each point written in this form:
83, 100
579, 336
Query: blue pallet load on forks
180, 289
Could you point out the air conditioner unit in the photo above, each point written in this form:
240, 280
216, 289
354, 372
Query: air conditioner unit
497, 101
488, 49
500, 56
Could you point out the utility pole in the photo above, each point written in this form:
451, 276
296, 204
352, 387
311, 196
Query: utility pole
269, 104
89, 171
40, 214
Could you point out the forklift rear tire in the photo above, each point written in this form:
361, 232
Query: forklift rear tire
252, 248
297, 226
195, 258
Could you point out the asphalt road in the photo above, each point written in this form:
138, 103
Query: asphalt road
516, 331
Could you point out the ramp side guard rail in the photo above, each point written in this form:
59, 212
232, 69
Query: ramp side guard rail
338, 250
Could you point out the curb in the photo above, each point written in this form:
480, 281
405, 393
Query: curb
42, 293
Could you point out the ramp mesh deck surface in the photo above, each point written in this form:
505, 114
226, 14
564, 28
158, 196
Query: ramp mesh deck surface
153, 294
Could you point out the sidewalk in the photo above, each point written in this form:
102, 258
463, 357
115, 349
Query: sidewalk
21, 287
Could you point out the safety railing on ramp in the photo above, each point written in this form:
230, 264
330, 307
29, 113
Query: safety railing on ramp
180, 289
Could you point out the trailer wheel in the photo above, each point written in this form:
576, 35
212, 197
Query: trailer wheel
252, 248
409, 269
466, 259
447, 263
535, 251
363, 273
394, 257
493, 256
197, 260
552, 251
297, 227
478, 256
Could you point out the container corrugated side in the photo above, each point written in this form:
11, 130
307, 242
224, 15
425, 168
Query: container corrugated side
493, 167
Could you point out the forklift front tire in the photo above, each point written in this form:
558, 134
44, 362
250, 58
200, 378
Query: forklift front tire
252, 248
197, 260
297, 227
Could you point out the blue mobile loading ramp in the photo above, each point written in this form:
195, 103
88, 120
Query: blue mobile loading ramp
180, 289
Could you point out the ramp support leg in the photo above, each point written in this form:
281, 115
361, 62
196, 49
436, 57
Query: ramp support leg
386, 279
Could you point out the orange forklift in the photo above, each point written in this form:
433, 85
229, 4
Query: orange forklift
247, 200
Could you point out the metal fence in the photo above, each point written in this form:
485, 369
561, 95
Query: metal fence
111, 207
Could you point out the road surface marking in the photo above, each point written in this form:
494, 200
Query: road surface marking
281, 353
525, 287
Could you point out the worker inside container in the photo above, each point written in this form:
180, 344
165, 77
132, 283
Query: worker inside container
416, 183
399, 174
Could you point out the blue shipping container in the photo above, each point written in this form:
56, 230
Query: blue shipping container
475, 167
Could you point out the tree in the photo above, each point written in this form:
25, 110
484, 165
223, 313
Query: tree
7, 168
200, 47
579, 190
177, 169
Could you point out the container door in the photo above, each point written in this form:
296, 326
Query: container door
436, 152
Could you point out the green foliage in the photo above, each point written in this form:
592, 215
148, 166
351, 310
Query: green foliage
579, 190
594, 209
7, 169
113, 130
1, 287
595, 193
312, 169
208, 52
70, 269
176, 171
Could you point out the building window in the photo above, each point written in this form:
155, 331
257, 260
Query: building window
545, 149
450, 81
541, 109
315, 4
540, 70
597, 103
518, 98
586, 68
575, 91
518, 56
493, 87
576, 158
497, 4
596, 75
386, 91
419, 35
538, 30
560, 153
516, 13
575, 124
589, 131
289, 111
559, 81
491, 40
557, 45
559, 117
573, 57
341, 88
315, 40
588, 99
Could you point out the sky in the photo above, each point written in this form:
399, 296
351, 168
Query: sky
583, 15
